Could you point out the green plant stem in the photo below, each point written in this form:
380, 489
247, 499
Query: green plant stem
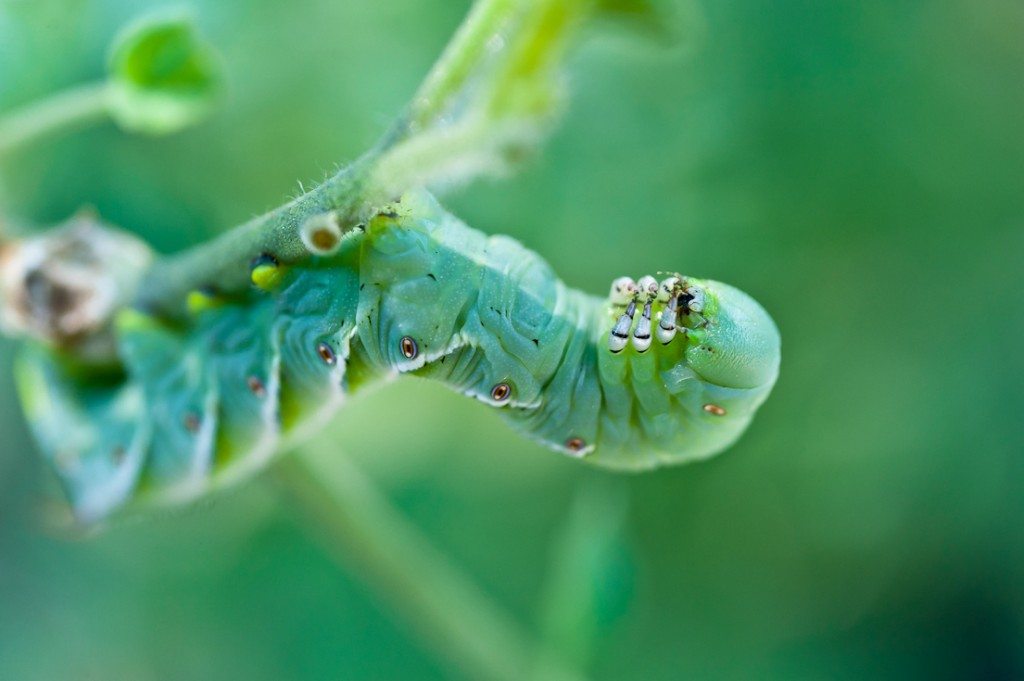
462, 55
61, 112
224, 262
359, 528
511, 41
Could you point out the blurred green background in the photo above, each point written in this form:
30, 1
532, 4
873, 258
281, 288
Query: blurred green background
858, 166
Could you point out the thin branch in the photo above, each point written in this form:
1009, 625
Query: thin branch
62, 112
359, 528
463, 55
224, 262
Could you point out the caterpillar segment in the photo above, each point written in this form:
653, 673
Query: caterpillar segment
656, 373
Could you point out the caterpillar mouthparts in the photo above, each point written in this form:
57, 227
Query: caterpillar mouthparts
676, 303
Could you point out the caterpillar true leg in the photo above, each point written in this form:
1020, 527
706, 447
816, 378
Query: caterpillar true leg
669, 288
623, 290
619, 335
667, 323
648, 286
642, 333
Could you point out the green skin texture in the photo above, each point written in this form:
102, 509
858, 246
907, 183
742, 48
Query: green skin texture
197, 404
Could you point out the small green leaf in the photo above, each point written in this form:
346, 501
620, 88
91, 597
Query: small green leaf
163, 77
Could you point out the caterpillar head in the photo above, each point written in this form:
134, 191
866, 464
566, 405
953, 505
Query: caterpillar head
687, 361
726, 336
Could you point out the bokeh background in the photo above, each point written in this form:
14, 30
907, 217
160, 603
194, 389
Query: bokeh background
856, 165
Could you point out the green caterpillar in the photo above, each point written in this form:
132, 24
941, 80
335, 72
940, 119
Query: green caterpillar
188, 404
160, 379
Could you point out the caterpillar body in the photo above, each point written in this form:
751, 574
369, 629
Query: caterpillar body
656, 373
